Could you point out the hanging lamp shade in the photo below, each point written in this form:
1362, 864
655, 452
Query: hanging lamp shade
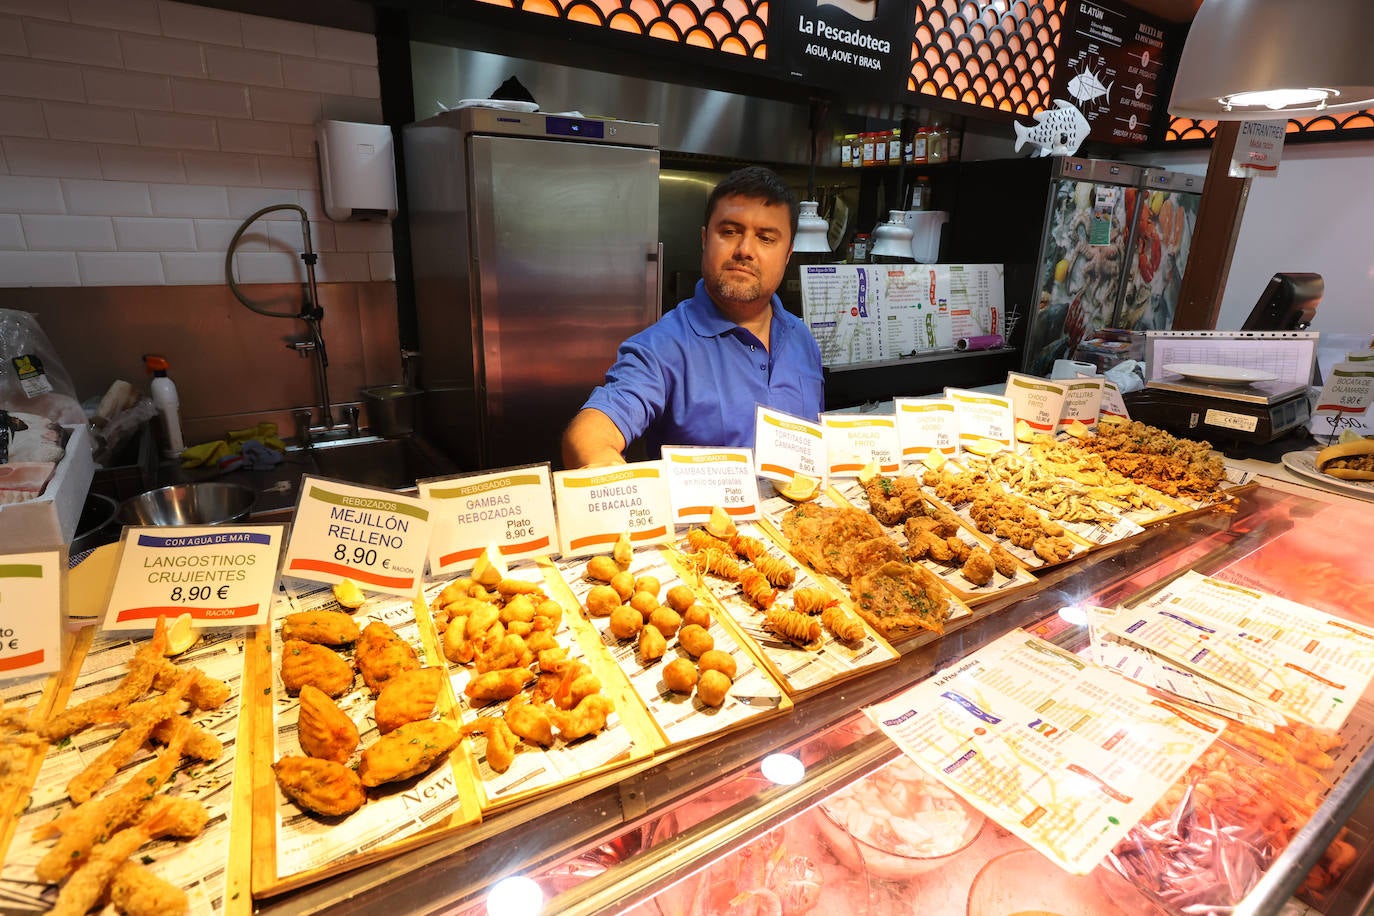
812, 230
1271, 59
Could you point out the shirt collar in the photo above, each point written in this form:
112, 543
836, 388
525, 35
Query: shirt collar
707, 321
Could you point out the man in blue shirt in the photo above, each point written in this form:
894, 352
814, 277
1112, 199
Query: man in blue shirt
695, 376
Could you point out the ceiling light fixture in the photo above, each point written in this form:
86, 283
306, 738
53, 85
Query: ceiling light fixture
1260, 59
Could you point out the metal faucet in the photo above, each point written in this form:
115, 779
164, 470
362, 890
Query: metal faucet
301, 417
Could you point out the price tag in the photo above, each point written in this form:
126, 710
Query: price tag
30, 613
219, 574
853, 442
374, 537
1082, 400
925, 425
983, 419
512, 508
699, 479
1036, 401
785, 446
597, 505
1113, 405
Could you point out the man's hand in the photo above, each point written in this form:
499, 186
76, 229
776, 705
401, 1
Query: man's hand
592, 440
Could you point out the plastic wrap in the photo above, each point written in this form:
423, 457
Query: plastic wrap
32, 377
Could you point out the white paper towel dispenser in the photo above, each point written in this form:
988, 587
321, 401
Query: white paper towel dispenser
357, 171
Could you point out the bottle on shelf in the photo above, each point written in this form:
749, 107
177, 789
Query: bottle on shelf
869, 140
894, 147
168, 404
920, 146
935, 144
920, 193
848, 143
858, 249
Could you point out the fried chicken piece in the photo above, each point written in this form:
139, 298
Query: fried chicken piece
529, 720
1053, 549
498, 685
587, 718
321, 786
883, 501
978, 568
1003, 561
408, 751
501, 741
509, 651
959, 549
408, 697
328, 628
136, 891
307, 663
323, 729
858, 557
381, 655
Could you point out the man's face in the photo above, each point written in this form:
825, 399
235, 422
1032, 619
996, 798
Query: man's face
744, 251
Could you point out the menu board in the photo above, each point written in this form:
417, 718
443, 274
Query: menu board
1111, 58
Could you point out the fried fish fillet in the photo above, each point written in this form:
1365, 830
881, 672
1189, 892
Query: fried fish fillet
307, 663
329, 628
322, 786
408, 751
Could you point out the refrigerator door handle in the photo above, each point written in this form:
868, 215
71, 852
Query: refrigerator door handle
655, 280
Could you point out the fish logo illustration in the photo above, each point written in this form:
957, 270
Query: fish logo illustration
1087, 86
862, 10
1057, 132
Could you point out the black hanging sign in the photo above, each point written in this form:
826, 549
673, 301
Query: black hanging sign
1111, 60
843, 44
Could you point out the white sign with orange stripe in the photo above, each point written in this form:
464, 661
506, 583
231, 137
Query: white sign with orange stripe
30, 613
598, 505
702, 479
374, 537
786, 447
854, 441
1037, 402
221, 575
511, 508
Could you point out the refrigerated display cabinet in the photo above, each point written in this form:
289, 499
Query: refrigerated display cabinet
674, 834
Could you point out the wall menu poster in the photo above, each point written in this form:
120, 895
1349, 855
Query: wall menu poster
843, 44
1111, 60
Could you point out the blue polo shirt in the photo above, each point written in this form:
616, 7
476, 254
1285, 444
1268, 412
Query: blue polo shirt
694, 377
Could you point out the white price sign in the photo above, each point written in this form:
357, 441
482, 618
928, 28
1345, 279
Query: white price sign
220, 575
512, 508
597, 505
925, 425
374, 537
700, 479
785, 446
852, 443
30, 613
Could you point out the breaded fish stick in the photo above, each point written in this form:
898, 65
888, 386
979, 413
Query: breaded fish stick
206, 693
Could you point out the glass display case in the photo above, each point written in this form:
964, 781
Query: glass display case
730, 826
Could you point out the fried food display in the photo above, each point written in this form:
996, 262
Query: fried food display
978, 568
899, 599
1152, 457
319, 666
323, 730
586, 718
329, 628
842, 624
680, 675
381, 655
408, 751
498, 685
501, 741
322, 786
1348, 460
408, 697
712, 687
799, 629
1004, 515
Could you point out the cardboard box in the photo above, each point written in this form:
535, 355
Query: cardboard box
51, 519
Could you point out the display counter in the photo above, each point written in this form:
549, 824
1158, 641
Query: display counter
637, 838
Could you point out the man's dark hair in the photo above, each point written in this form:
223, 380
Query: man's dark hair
758, 183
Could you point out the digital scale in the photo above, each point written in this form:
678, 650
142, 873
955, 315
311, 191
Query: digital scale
1192, 402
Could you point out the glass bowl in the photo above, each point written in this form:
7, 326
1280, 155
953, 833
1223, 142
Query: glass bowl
903, 822
1025, 883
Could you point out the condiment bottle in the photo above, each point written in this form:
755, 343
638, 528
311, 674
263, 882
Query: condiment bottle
894, 147
847, 144
919, 148
168, 404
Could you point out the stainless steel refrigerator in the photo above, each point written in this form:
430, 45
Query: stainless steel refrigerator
535, 252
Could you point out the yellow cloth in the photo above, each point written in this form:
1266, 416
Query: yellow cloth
212, 453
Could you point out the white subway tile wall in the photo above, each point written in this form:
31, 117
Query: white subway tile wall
135, 136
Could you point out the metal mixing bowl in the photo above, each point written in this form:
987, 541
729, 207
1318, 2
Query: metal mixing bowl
209, 503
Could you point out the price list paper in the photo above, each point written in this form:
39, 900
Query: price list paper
853, 442
1304, 663
218, 575
701, 479
597, 505
511, 508
378, 539
1060, 752
30, 613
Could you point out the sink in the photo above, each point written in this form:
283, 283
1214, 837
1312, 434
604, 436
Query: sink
387, 464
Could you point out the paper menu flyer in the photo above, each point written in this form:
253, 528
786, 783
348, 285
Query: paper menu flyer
854, 441
31, 613
1145, 667
1301, 662
841, 308
700, 479
1059, 752
512, 508
597, 505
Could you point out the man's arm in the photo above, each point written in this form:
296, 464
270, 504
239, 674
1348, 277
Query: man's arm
591, 439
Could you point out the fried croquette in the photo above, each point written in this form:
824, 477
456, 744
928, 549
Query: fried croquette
979, 567
408, 697
320, 666
408, 751
321, 786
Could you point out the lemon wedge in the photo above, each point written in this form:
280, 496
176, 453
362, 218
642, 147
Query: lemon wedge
934, 459
624, 551
181, 635
800, 488
347, 593
490, 567
1078, 430
984, 448
720, 524
869, 472
1024, 433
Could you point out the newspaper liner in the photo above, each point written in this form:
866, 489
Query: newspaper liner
680, 717
800, 669
304, 840
201, 867
536, 769
853, 493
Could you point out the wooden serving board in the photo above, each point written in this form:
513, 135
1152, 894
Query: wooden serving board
213, 868
293, 847
801, 670
681, 719
629, 736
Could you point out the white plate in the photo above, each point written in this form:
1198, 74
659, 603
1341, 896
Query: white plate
502, 104
1225, 375
1304, 464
